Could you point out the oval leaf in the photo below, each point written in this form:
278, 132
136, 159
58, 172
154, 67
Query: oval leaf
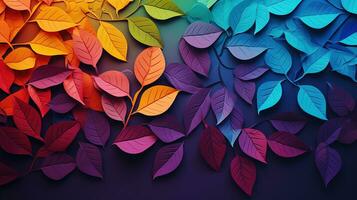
89, 160
20, 59
167, 159
57, 166
114, 83
268, 94
14, 141
87, 47
286, 145
115, 108
243, 172
145, 31
96, 128
53, 19
312, 101
41, 98
254, 144
222, 103
48, 76
201, 34
48, 44
328, 162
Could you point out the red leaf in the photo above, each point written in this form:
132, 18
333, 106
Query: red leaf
213, 147
115, 108
286, 145
7, 77
14, 141
92, 97
7, 104
41, 98
7, 174
114, 83
27, 119
73, 85
244, 173
254, 144
135, 139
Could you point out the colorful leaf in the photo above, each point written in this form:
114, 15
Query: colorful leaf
7, 104
288, 122
245, 89
53, 19
312, 101
286, 145
48, 44
89, 160
73, 85
7, 77
115, 108
282, 7
119, 4
268, 94
162, 9
96, 128
21, 58
244, 173
328, 162
253, 143
62, 103
340, 101
167, 159
57, 166
114, 83
18, 4
201, 34
330, 130
145, 31
41, 98
48, 76
222, 103
14, 141
249, 72
350, 6
166, 129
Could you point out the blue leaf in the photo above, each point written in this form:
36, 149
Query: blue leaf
300, 41
269, 94
282, 7
312, 101
350, 40
278, 59
317, 61
228, 132
350, 6
262, 18
243, 16
246, 47
221, 11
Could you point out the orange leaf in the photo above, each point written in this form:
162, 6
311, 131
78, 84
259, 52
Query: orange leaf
7, 77
71, 59
73, 85
149, 65
92, 97
48, 2
87, 47
19, 4
20, 59
41, 98
22, 77
15, 20
48, 44
114, 83
4, 33
2, 6
7, 104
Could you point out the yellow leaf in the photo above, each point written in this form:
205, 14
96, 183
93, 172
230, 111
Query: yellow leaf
112, 40
20, 59
53, 19
18, 4
119, 4
48, 44
156, 100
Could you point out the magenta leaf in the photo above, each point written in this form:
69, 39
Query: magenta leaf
48, 76
245, 89
348, 133
96, 128
201, 34
340, 101
167, 159
288, 122
62, 103
89, 160
286, 145
253, 143
328, 162
212, 147
244, 173
222, 103
249, 72
135, 139
182, 78
196, 109
14, 141
166, 129
330, 130
197, 59
7, 174
115, 108
57, 166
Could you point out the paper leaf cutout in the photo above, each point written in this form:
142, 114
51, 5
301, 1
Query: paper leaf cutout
62, 103
278, 59
162, 9
119, 4
96, 128
87, 47
21, 58
201, 34
254, 144
48, 76
166, 129
317, 61
149, 65
115, 108
328, 162
114, 83
57, 166
243, 16
288, 122
282, 7
18, 4
286, 145
89, 160
14, 141
350, 6
73, 85
53, 19
145, 31
182, 78
249, 72
7, 174
135, 139
167, 159
48, 44
244, 173
7, 77
268, 94
340, 101
245, 89
312, 101
222, 103
5, 33
41, 98
7, 104
92, 97
350, 40
157, 100
330, 130
245, 46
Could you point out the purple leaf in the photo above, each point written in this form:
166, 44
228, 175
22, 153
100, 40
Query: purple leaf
288, 122
340, 101
96, 128
286, 145
57, 166
222, 103
232, 128
48, 76
167, 159
166, 129
244, 173
182, 78
89, 160
328, 162
249, 72
245, 90
243, 52
237, 118
7, 174
197, 59
212, 147
62, 103
196, 109
330, 130
348, 133
253, 143
201, 34
3, 117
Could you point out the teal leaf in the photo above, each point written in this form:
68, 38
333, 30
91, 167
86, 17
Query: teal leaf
300, 41
221, 10
319, 15
207, 3
350, 40
278, 59
282, 7
350, 6
312, 101
245, 46
268, 94
262, 18
317, 61
199, 12
242, 16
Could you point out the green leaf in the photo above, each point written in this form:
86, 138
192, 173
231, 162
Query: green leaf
350, 40
317, 61
319, 15
268, 94
350, 6
145, 31
282, 7
162, 9
208, 3
312, 101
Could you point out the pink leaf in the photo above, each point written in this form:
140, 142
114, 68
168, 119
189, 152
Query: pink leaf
115, 108
286, 145
114, 83
48, 76
254, 144
243, 172
73, 86
41, 98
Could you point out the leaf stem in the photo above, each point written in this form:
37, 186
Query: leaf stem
292, 82
133, 102
298, 79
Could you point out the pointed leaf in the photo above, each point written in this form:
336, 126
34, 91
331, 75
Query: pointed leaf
53, 19
249, 72
286, 145
350, 6
328, 162
312, 101
73, 85
41, 98
96, 128
115, 108
254, 144
182, 78
282, 7
245, 89
21, 58
87, 47
114, 83
18, 4
350, 40
57, 166
268, 94
288, 122
162, 9
167, 159
340, 101
48, 44
222, 103
166, 129
48, 76
89, 160
7, 77
62, 103
330, 130
244, 173
145, 31
243, 16
14, 141
201, 34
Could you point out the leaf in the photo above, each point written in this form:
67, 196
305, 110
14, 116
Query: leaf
21, 58
135, 139
282, 7
245, 89
48, 76
115, 108
253, 143
330, 130
199, 12
316, 62
286, 145
96, 128
198, 60
145, 31
166, 129
87, 47
73, 85
312, 101
41, 98
13, 141
319, 15
112, 40
301, 41
7, 174
167, 159
162, 9
27, 119
246, 47
149, 65
196, 109
48, 44
222, 103
182, 78
243, 16
201, 35
92, 97
119, 4
249, 72
350, 6
212, 147
18, 4
157, 100
268, 94
231, 128
208, 3
7, 77
7, 104
57, 166
288, 122
53, 19
114, 83
220, 12
278, 59
262, 18
244, 173
340, 101
350, 40
62, 103
89, 160
5, 33
328, 162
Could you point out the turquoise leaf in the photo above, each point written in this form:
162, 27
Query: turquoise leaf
282, 7
350, 6
319, 15
268, 94
208, 3
300, 41
350, 40
278, 59
317, 61
242, 17
262, 18
199, 12
312, 101
221, 10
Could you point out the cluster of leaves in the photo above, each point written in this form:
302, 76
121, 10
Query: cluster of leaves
30, 70
223, 58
